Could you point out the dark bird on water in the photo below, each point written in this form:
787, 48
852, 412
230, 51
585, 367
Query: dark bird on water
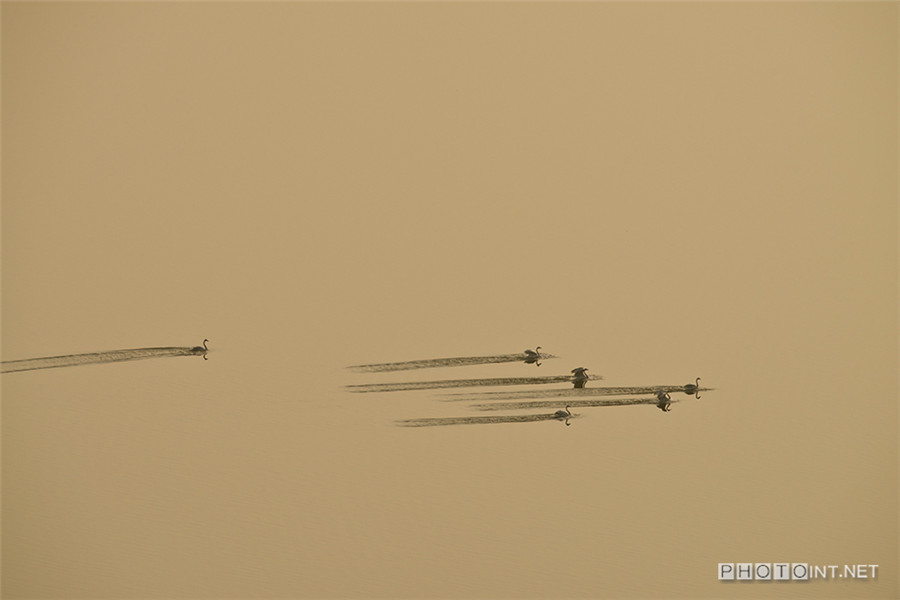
664, 401
579, 377
579, 373
693, 388
563, 414
202, 349
533, 356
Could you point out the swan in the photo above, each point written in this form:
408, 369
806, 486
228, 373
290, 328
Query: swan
693, 388
579, 374
202, 349
533, 356
563, 414
664, 401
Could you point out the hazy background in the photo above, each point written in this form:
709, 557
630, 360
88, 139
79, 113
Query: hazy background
653, 191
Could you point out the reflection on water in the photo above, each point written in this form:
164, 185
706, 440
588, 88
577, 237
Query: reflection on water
452, 383
434, 421
570, 393
528, 357
573, 403
92, 358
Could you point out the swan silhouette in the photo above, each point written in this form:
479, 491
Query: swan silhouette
579, 373
693, 388
202, 349
563, 414
533, 356
664, 401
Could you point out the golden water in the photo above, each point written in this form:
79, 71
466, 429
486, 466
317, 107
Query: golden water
654, 191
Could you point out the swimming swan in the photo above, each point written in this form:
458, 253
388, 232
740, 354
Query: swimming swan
579, 373
202, 349
564, 414
693, 388
533, 356
664, 401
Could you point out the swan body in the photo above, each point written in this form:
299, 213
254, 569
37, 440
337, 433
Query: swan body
533, 356
664, 401
693, 388
563, 414
202, 349
579, 374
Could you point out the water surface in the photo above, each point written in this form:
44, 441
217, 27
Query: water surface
654, 191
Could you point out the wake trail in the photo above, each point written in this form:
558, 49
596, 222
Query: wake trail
572, 403
459, 361
569, 393
453, 383
437, 421
93, 358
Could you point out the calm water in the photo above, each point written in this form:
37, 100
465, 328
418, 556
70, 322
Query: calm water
648, 191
